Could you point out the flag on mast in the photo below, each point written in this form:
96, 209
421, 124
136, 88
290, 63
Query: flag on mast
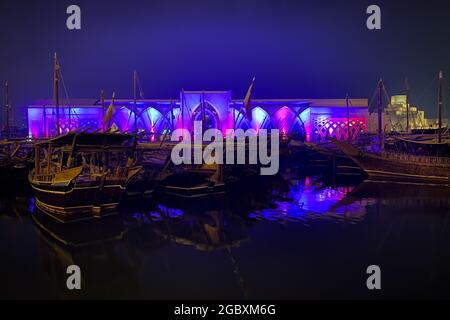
109, 113
248, 102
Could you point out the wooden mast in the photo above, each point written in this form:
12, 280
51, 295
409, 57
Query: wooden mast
408, 93
134, 100
440, 103
203, 111
182, 108
56, 92
102, 100
7, 107
171, 115
348, 117
112, 103
380, 111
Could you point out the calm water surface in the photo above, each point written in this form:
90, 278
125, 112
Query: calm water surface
287, 239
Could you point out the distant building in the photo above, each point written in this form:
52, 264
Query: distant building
395, 117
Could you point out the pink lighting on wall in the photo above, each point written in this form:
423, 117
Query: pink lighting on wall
124, 119
327, 128
285, 120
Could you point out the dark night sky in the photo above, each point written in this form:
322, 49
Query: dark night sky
296, 49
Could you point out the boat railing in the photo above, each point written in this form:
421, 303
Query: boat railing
415, 158
44, 177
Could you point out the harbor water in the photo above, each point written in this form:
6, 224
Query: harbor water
288, 238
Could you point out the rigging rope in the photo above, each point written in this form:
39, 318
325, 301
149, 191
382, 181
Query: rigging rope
63, 83
71, 112
141, 92
421, 96
372, 100
386, 95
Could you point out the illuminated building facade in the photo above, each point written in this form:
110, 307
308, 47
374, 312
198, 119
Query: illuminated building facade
302, 119
396, 113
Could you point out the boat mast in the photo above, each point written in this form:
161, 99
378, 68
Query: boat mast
112, 104
134, 100
171, 115
380, 110
182, 108
203, 111
408, 94
102, 100
7, 107
56, 92
348, 117
440, 103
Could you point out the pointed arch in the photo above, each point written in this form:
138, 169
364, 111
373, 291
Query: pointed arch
212, 119
260, 119
123, 118
153, 121
289, 123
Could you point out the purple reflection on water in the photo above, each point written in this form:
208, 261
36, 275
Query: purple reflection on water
157, 214
309, 200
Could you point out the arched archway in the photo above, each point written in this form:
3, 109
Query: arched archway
207, 114
123, 119
289, 123
260, 119
150, 121
240, 122
153, 122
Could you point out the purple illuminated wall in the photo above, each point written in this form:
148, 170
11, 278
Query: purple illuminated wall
42, 120
315, 120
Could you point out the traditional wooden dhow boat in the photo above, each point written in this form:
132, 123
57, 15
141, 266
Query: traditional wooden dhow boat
83, 175
193, 180
407, 157
401, 166
202, 181
154, 160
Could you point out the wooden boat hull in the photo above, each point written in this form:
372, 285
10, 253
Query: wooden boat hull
382, 168
398, 169
77, 202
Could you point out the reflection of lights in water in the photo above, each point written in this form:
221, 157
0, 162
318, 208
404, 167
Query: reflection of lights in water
313, 197
31, 204
309, 200
330, 195
307, 181
168, 212
158, 214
